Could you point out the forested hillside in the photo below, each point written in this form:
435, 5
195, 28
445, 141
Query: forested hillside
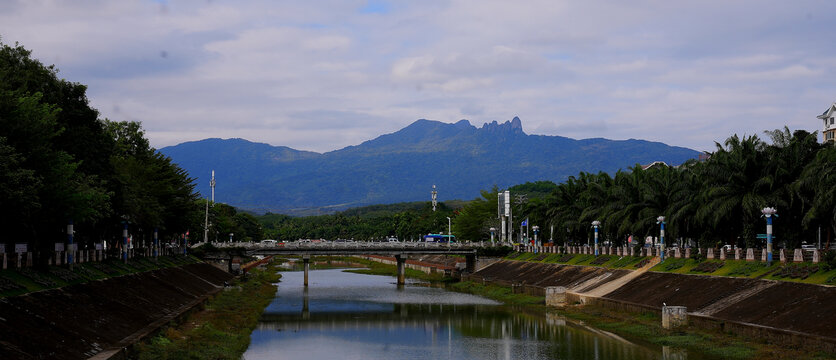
402, 166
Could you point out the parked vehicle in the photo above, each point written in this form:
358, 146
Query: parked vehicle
268, 242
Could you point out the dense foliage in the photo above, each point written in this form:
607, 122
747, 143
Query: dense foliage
407, 221
59, 162
715, 201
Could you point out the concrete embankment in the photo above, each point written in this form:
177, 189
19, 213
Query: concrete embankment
428, 264
98, 319
779, 312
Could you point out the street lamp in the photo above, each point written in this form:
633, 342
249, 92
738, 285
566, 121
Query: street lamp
768, 212
536, 232
493, 231
449, 231
596, 224
661, 220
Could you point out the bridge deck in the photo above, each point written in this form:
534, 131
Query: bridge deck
356, 248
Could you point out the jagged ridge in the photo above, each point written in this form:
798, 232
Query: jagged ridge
402, 166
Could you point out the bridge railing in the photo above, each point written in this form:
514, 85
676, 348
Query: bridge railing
353, 245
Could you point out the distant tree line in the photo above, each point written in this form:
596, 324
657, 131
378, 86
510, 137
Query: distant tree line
60, 162
711, 202
406, 221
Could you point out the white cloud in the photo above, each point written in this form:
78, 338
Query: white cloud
322, 75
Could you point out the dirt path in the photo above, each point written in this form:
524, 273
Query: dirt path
619, 282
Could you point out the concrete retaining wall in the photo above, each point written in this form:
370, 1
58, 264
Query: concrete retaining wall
785, 313
101, 317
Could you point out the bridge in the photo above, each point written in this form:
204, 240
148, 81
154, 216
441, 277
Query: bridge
399, 250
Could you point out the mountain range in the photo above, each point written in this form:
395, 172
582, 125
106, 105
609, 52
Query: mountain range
460, 159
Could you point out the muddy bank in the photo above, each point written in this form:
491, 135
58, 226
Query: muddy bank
780, 312
80, 321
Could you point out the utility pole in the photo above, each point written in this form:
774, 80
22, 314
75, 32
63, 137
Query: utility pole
434, 197
206, 220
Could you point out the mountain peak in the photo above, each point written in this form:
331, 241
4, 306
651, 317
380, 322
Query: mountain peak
463, 123
514, 126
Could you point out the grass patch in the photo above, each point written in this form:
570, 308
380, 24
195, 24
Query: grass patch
626, 262
646, 327
222, 330
805, 272
499, 293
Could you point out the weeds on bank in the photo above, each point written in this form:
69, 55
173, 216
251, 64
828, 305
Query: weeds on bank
499, 293
222, 330
647, 327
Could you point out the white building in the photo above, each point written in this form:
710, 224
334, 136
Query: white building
829, 130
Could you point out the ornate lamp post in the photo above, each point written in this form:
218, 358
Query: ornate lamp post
769, 212
596, 224
536, 232
661, 221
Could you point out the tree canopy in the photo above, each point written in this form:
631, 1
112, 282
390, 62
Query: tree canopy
60, 162
711, 202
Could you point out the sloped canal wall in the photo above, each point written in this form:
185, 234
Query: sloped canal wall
785, 313
100, 318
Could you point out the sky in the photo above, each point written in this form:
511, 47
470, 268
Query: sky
322, 75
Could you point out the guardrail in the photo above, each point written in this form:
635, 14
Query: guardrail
353, 245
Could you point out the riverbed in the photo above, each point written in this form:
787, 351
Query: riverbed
354, 316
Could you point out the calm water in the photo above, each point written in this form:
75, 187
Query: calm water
352, 316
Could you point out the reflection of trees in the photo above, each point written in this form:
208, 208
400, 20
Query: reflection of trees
485, 322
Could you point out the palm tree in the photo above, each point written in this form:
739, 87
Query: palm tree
819, 179
788, 156
627, 202
565, 208
734, 190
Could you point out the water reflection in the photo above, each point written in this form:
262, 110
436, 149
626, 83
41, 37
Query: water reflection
352, 316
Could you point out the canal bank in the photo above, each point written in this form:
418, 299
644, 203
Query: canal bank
222, 329
783, 313
635, 306
100, 318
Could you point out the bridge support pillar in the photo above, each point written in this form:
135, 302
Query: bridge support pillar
470, 264
401, 259
307, 261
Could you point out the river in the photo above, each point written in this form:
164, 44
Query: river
353, 316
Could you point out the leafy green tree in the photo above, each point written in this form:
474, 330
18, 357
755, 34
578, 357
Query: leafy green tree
475, 219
